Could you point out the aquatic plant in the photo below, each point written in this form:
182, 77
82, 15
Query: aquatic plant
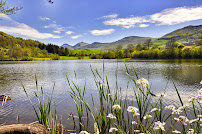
116, 114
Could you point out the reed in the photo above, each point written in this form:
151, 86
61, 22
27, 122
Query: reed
116, 114
44, 115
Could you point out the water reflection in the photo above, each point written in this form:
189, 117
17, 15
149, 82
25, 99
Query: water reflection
185, 73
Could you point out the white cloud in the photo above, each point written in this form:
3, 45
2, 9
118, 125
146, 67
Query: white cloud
102, 32
177, 15
57, 28
111, 16
76, 36
69, 32
166, 17
25, 30
143, 25
44, 18
58, 32
126, 22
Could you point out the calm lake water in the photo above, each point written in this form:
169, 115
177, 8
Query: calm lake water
186, 74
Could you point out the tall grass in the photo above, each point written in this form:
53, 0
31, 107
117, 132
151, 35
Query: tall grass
116, 113
44, 115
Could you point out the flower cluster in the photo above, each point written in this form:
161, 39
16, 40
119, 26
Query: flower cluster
113, 129
182, 119
116, 107
147, 116
176, 132
133, 110
111, 116
197, 97
84, 132
142, 82
158, 125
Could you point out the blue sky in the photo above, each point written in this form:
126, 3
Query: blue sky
73, 21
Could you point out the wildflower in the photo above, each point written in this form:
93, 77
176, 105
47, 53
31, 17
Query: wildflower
200, 116
116, 107
161, 95
194, 120
113, 129
191, 131
111, 116
178, 111
170, 107
182, 119
147, 116
132, 109
154, 109
182, 107
176, 132
84, 132
142, 82
136, 131
134, 122
159, 125
200, 92
201, 82
192, 98
200, 98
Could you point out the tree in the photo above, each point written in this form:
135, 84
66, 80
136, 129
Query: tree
119, 47
148, 43
8, 10
130, 47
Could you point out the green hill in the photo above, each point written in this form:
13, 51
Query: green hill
187, 34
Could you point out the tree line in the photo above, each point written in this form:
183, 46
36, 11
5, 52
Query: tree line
149, 51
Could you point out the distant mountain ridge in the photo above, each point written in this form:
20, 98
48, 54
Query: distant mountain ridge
186, 34
111, 46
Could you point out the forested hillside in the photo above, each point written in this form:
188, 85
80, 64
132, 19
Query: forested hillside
16, 48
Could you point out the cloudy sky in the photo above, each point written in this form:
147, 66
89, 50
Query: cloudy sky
73, 21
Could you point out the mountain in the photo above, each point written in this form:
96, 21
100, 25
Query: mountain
79, 45
112, 46
67, 46
186, 34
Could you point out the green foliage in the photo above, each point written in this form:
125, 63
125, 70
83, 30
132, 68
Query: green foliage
115, 112
8, 10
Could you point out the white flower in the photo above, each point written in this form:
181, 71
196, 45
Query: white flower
159, 125
136, 131
201, 82
113, 129
192, 98
194, 120
134, 122
200, 92
111, 116
142, 82
154, 109
200, 116
84, 132
116, 107
176, 132
191, 131
178, 111
200, 98
161, 95
132, 109
147, 116
182, 107
182, 119
170, 107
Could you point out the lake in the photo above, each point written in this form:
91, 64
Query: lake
186, 74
